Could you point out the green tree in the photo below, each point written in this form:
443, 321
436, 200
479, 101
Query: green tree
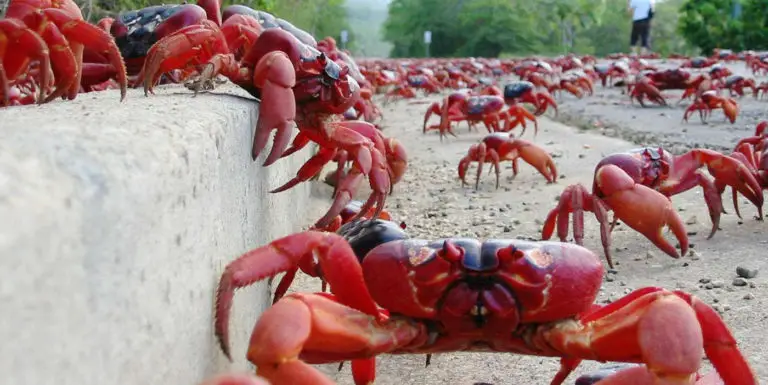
664, 36
755, 23
708, 24
489, 39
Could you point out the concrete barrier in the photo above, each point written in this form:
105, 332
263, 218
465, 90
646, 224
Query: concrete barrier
116, 220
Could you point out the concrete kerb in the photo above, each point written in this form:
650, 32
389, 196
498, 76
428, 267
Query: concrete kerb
116, 221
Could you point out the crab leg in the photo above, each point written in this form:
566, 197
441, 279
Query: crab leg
342, 272
667, 331
576, 199
191, 45
24, 44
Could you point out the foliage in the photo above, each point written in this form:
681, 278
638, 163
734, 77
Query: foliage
710, 24
755, 22
665, 38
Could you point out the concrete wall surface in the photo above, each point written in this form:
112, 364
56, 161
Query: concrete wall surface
116, 221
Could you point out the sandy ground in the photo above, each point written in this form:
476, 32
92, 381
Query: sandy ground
433, 203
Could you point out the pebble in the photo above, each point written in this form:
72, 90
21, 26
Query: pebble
749, 296
739, 281
744, 272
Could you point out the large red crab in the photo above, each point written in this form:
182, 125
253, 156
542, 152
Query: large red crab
296, 83
54, 34
502, 146
394, 295
637, 185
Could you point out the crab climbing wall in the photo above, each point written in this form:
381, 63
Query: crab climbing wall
116, 220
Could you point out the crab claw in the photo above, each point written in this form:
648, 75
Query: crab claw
643, 209
276, 76
543, 101
397, 159
730, 109
666, 331
531, 154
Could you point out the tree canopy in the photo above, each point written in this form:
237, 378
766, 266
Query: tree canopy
731, 24
599, 27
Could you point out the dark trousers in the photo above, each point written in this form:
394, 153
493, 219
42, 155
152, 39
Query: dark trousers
641, 30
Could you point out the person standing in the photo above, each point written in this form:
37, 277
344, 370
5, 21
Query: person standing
642, 13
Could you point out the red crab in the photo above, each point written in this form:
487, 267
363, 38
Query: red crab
295, 82
736, 84
54, 34
644, 87
637, 186
499, 147
135, 32
699, 62
753, 152
525, 92
671, 79
395, 295
460, 106
710, 100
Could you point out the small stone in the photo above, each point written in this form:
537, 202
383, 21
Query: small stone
613, 271
709, 286
726, 307
692, 220
581, 156
744, 272
752, 285
749, 296
508, 229
608, 278
739, 281
649, 255
718, 284
691, 233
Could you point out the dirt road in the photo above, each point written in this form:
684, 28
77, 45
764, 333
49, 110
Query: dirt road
433, 203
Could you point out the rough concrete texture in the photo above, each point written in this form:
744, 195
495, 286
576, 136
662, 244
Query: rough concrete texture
116, 221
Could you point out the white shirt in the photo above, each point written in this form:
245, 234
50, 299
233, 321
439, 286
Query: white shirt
641, 8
